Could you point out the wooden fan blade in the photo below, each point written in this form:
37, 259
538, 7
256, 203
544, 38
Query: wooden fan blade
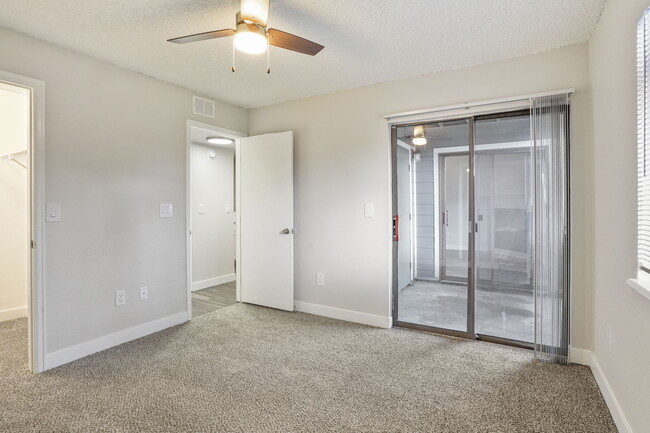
285, 40
203, 36
256, 11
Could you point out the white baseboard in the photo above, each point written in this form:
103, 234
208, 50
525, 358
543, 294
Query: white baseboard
73, 353
586, 357
13, 313
580, 356
347, 315
200, 285
612, 403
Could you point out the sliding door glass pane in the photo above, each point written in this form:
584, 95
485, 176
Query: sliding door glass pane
439, 193
454, 170
404, 203
504, 240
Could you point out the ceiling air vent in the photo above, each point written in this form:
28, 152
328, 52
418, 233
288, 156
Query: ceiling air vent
203, 107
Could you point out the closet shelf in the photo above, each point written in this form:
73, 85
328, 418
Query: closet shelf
13, 157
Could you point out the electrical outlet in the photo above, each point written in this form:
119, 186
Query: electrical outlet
320, 279
144, 293
609, 338
120, 297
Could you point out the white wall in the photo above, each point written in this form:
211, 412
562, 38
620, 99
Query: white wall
342, 160
14, 240
115, 145
612, 53
213, 231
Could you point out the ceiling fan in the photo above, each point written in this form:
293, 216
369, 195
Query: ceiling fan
252, 36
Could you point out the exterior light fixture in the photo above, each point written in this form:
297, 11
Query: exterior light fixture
419, 137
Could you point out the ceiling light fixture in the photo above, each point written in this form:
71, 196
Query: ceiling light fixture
219, 140
419, 137
251, 38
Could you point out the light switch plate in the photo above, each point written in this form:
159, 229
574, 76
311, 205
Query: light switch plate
166, 210
120, 298
368, 210
201, 208
53, 212
320, 279
228, 207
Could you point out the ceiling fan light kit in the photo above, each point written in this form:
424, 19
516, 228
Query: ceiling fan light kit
252, 36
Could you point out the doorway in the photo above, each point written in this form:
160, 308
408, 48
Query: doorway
259, 220
472, 195
14, 196
21, 217
212, 218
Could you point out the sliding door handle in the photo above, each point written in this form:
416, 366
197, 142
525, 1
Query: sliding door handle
396, 228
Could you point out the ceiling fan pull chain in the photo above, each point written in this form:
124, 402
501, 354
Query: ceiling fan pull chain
268, 58
234, 69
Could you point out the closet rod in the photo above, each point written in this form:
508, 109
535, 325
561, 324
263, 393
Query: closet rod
13, 157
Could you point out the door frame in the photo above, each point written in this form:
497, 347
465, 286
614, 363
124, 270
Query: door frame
412, 222
36, 336
440, 258
228, 133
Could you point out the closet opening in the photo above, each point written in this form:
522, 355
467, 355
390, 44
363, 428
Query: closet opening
15, 220
465, 196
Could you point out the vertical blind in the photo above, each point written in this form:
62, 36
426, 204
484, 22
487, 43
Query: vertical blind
643, 134
550, 139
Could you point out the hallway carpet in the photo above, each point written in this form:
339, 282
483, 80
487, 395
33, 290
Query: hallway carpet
253, 369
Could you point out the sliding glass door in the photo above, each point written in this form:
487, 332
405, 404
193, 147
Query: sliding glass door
472, 228
437, 297
454, 203
504, 259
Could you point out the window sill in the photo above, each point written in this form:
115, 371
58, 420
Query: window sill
640, 285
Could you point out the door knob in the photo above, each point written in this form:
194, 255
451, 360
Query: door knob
286, 231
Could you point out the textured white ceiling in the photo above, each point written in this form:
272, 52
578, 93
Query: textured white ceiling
366, 41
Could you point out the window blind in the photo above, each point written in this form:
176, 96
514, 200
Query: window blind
549, 122
643, 137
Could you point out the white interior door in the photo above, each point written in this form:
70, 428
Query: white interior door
265, 266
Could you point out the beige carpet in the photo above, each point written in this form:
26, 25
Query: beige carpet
252, 369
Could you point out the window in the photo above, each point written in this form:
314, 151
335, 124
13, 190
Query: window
642, 283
